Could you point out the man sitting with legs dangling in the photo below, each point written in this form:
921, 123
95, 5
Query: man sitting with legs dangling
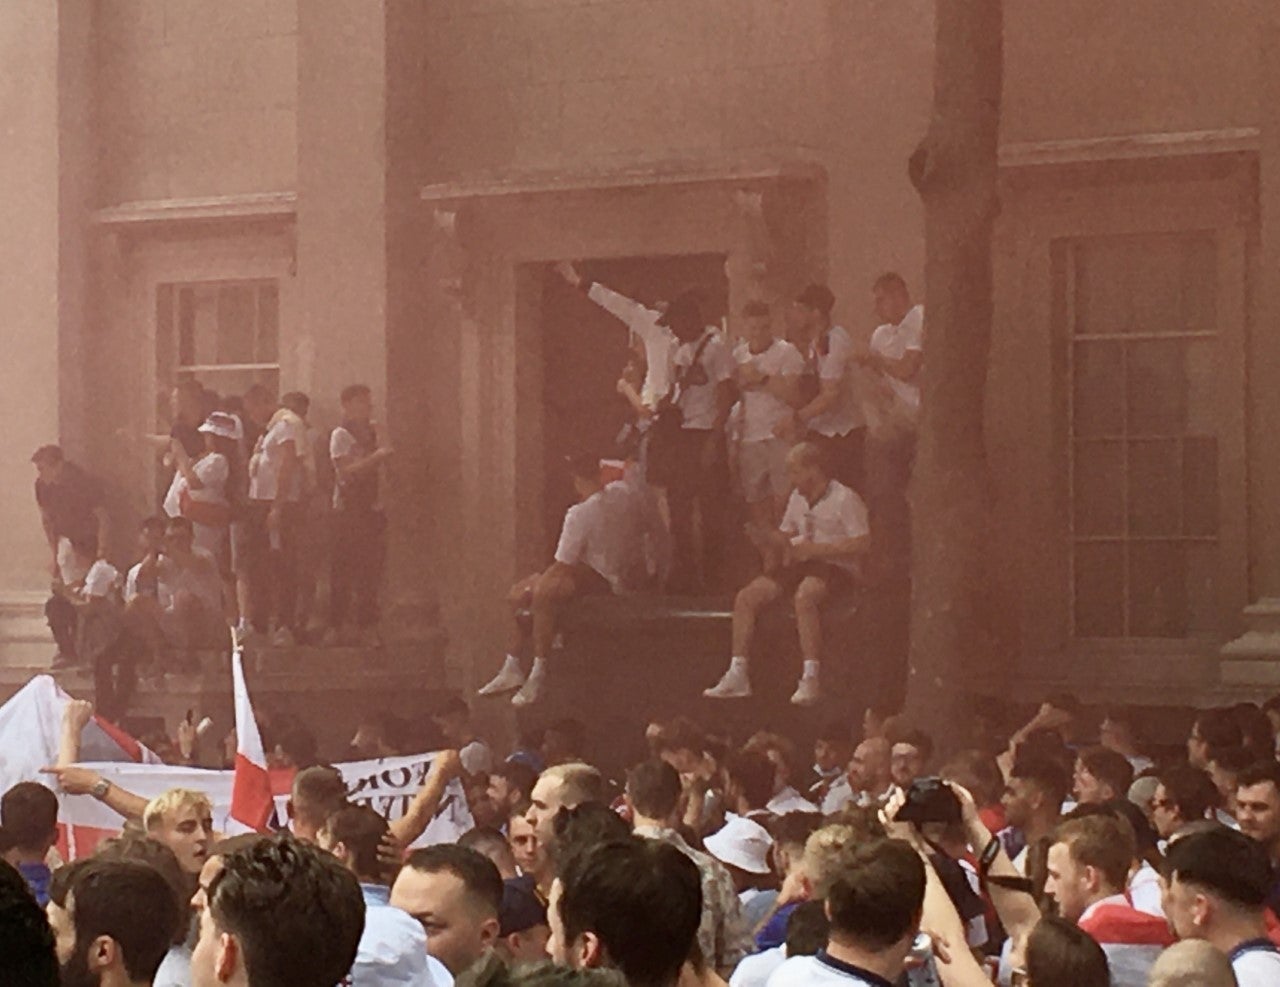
601, 551
814, 553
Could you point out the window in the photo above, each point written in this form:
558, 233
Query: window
224, 333
1142, 347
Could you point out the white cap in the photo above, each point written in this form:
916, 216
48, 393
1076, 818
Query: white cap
225, 424
741, 843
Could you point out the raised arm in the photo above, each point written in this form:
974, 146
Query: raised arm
79, 780
422, 809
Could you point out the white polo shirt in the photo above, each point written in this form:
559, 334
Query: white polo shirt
659, 342
606, 533
264, 467
832, 355
762, 411
698, 393
1256, 964
894, 342
814, 971
838, 515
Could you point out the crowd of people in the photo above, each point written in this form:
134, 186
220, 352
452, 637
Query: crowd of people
1066, 854
809, 432
778, 414
233, 544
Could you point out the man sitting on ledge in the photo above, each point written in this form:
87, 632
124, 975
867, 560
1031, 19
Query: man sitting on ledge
601, 551
814, 553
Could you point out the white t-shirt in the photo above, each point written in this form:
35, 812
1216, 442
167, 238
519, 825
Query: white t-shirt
755, 970
698, 393
838, 516
762, 411
809, 971
606, 532
832, 354
212, 471
200, 579
789, 800
1144, 890
894, 342
659, 342
264, 467
101, 580
1256, 964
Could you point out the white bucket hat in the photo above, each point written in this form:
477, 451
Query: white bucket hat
741, 843
224, 424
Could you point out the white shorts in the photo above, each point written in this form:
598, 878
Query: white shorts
762, 469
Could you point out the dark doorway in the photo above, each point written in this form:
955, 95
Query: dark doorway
585, 350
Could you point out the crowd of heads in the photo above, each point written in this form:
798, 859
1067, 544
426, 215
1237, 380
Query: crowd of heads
1070, 852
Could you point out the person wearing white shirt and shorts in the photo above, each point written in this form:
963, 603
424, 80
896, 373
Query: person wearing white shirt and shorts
276, 483
891, 372
814, 553
768, 378
601, 551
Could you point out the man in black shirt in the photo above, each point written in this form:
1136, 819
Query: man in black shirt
74, 516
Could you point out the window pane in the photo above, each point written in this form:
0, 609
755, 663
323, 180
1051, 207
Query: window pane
205, 324
1158, 590
1101, 295
1099, 488
1098, 392
1202, 587
1157, 387
1155, 489
268, 349
186, 326
1099, 590
1200, 487
236, 317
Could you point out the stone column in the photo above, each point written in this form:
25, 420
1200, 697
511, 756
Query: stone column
1254, 657
45, 141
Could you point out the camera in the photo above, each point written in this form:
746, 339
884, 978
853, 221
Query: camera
929, 800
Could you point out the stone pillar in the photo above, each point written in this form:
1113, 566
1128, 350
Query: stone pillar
1254, 657
361, 263
45, 140
340, 335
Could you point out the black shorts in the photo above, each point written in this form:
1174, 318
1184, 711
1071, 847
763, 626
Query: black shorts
839, 580
588, 582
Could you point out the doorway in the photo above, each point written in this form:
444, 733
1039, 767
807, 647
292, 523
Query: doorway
584, 351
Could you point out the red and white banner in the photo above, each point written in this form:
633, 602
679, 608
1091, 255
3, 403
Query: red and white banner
30, 728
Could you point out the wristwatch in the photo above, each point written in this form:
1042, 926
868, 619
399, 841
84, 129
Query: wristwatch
100, 789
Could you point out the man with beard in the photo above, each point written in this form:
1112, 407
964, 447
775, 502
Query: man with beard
279, 912
1258, 811
113, 922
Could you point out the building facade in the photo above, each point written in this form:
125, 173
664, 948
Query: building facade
314, 193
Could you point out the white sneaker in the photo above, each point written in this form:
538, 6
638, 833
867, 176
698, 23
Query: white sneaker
807, 692
282, 638
734, 684
509, 679
531, 690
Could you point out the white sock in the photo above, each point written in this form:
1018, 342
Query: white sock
738, 664
810, 669
511, 662
539, 668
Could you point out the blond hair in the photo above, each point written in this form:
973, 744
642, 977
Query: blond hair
1192, 963
174, 800
580, 783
